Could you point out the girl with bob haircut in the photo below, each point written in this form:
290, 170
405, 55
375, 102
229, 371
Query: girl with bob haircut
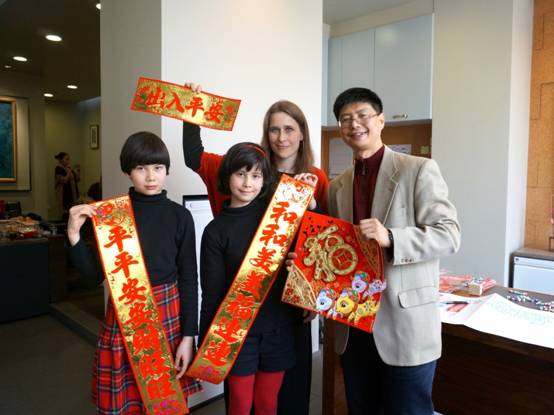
166, 234
143, 148
286, 138
247, 176
242, 155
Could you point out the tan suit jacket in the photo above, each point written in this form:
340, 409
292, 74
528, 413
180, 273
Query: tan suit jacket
411, 199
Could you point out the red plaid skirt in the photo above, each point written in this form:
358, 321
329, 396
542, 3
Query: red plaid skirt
114, 391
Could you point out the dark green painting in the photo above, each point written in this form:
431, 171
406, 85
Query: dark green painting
8, 138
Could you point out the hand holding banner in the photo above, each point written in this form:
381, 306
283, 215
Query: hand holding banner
336, 273
137, 314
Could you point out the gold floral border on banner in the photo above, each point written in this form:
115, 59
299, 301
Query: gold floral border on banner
256, 275
180, 102
145, 340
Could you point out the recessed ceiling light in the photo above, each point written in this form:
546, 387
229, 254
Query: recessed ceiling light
8, 66
72, 86
48, 95
54, 38
20, 58
98, 6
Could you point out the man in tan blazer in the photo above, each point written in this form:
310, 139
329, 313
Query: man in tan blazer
402, 202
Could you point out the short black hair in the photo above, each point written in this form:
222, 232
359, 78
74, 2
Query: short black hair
357, 95
143, 148
60, 155
246, 155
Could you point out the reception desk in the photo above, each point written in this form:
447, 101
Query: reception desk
478, 373
24, 279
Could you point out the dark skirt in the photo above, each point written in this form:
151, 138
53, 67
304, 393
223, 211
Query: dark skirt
271, 351
114, 390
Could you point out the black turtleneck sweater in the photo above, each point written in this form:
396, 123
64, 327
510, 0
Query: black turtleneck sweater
166, 234
225, 241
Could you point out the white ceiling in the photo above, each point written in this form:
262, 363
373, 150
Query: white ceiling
75, 60
338, 10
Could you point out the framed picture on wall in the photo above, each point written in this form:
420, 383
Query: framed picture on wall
94, 138
8, 140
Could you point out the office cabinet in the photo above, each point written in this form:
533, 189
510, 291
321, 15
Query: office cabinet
24, 273
394, 60
533, 270
334, 77
403, 68
350, 65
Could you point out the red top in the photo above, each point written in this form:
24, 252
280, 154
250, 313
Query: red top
209, 167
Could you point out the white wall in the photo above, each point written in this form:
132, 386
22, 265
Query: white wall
31, 87
522, 41
257, 51
480, 125
130, 46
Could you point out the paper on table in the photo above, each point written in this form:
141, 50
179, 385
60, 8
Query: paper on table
496, 315
458, 313
501, 317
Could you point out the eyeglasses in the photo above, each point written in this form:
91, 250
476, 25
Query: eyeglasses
361, 118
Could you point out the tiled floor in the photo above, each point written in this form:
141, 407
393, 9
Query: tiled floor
45, 369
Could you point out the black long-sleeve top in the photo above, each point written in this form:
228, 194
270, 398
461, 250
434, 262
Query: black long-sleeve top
224, 244
192, 145
166, 234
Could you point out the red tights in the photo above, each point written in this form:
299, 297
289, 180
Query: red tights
261, 388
